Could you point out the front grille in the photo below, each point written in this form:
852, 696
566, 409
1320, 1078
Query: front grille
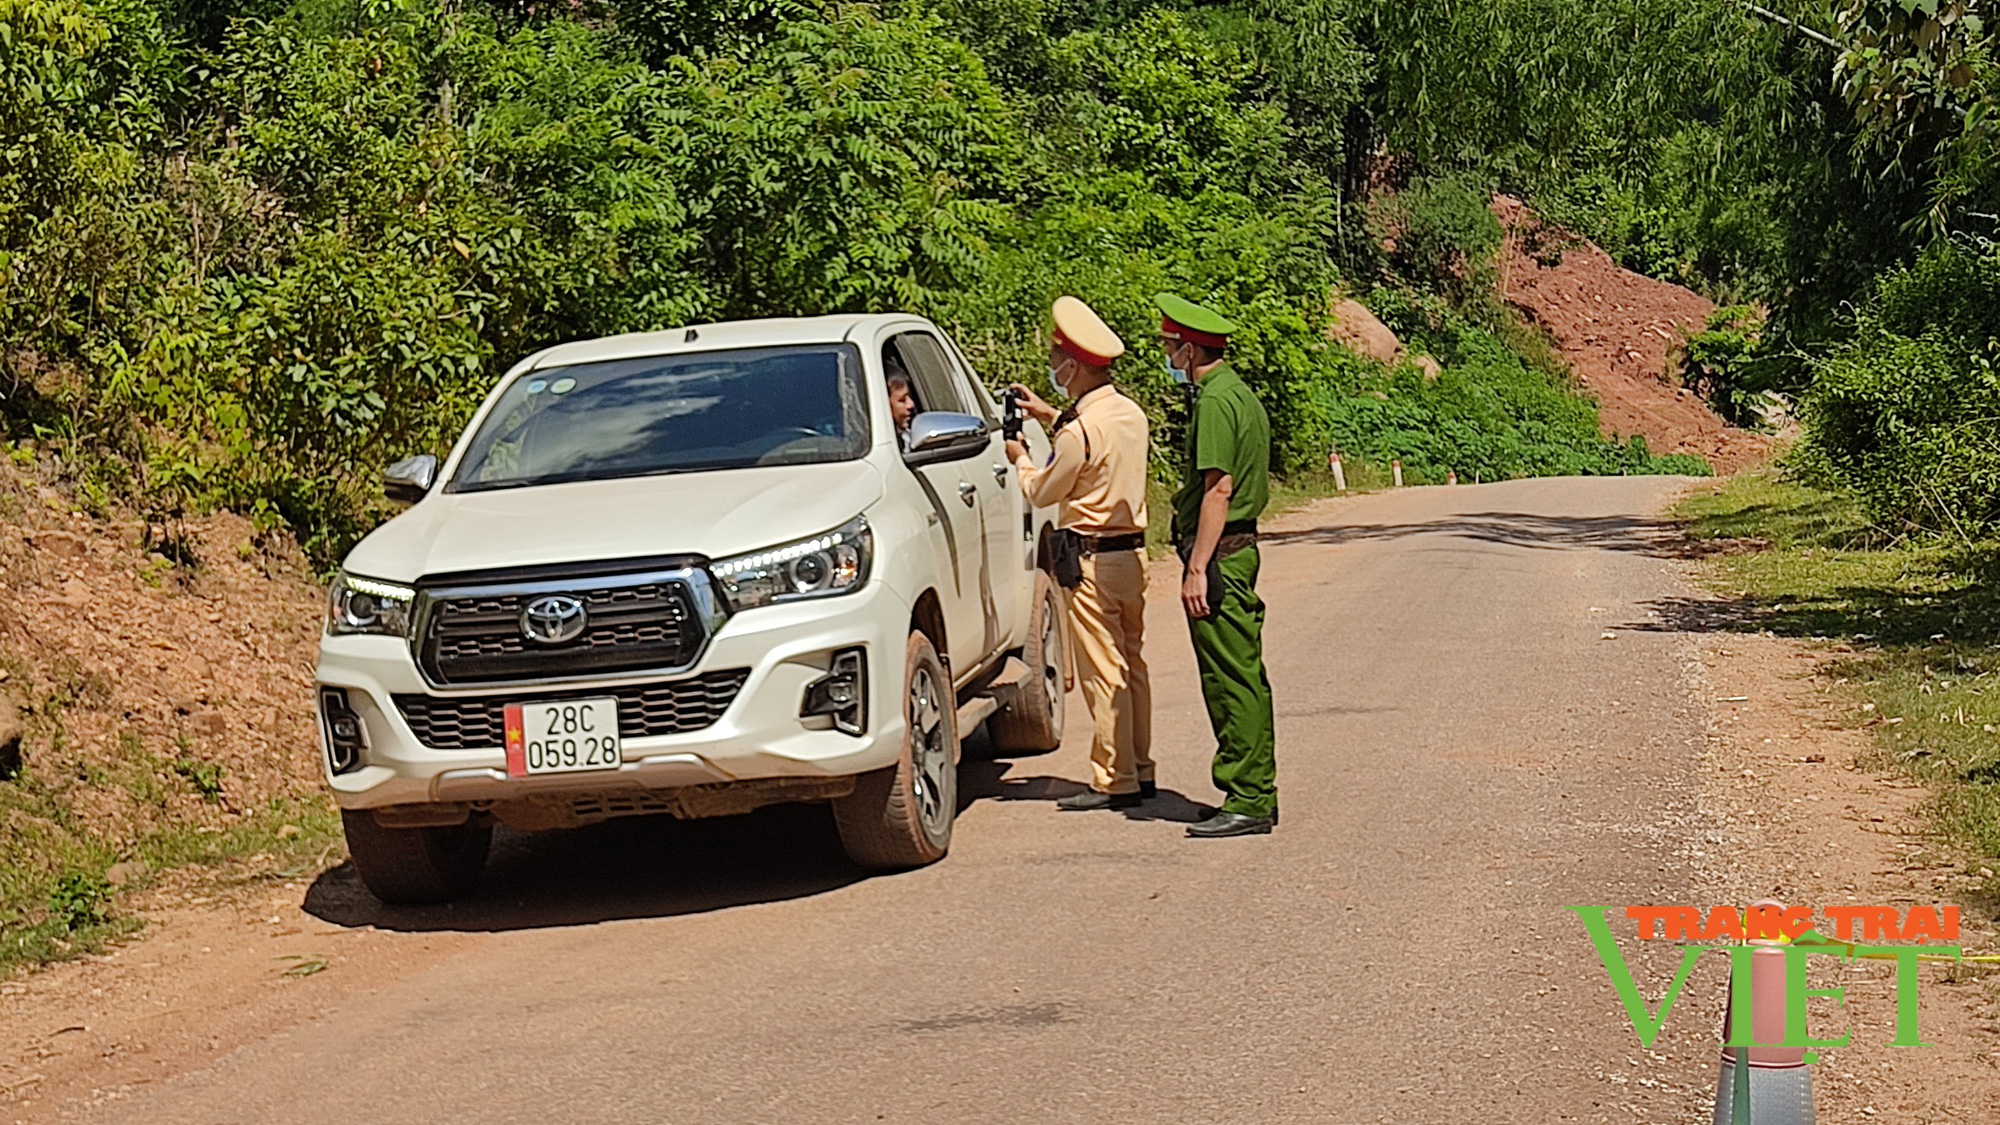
478, 639
644, 711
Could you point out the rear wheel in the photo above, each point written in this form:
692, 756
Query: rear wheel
1030, 718
900, 817
410, 865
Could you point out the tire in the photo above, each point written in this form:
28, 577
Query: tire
1030, 718
413, 865
900, 817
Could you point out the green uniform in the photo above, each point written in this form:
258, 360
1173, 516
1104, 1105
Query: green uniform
1229, 431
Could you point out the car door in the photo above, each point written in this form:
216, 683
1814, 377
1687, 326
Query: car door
1001, 508
952, 489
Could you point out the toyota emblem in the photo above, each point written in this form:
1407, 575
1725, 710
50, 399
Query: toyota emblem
553, 620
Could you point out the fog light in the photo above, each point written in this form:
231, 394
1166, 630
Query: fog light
345, 737
842, 693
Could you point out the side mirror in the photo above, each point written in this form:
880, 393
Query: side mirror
941, 435
409, 480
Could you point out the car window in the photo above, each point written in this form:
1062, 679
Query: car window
936, 385
666, 414
970, 385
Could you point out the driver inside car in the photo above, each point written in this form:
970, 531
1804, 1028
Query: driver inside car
902, 403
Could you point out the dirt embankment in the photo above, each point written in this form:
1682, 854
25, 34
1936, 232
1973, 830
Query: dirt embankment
1621, 332
156, 696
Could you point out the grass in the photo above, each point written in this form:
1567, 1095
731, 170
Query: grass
1915, 623
57, 901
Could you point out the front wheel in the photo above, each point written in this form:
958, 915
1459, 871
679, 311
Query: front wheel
900, 816
411, 865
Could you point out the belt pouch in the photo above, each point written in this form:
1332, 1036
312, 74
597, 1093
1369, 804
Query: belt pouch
1066, 559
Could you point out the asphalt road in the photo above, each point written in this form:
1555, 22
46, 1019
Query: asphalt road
1463, 751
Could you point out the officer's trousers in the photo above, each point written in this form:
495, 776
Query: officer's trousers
1107, 615
1229, 650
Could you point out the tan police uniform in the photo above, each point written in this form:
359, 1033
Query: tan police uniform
1096, 475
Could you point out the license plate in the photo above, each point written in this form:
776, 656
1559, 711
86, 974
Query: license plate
566, 737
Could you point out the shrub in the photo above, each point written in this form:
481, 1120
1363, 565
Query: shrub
1725, 364
1907, 412
1443, 235
79, 901
1488, 415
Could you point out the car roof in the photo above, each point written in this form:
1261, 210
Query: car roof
774, 331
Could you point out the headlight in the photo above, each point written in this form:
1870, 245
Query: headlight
362, 605
834, 563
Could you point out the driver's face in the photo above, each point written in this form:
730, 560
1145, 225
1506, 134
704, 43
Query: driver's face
902, 407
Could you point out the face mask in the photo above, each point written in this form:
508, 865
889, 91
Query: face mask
1055, 379
1177, 374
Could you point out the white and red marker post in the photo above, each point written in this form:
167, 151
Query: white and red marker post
1762, 1085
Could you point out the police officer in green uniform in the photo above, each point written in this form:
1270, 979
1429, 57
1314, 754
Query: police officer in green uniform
1227, 484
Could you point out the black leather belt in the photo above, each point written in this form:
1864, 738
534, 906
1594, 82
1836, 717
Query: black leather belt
1236, 535
1107, 544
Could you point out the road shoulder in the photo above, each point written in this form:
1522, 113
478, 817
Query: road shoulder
1807, 821
217, 966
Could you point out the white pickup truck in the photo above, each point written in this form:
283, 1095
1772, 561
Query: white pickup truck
692, 572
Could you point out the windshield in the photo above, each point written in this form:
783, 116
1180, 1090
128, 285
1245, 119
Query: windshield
672, 414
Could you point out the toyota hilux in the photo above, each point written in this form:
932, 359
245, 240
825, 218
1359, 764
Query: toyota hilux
692, 572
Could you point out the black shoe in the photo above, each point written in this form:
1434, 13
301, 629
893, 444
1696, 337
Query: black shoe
1148, 790
1232, 824
1091, 799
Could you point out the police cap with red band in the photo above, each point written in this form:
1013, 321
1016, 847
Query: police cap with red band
1182, 319
1083, 335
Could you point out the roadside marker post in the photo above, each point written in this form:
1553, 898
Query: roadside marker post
1451, 477
1339, 474
1396, 466
1763, 1085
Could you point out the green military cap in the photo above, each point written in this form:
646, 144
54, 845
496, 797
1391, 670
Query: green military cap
1182, 319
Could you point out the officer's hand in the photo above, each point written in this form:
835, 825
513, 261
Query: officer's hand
1194, 593
1015, 450
1032, 405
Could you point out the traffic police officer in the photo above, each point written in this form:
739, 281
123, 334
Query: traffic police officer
1096, 474
1226, 485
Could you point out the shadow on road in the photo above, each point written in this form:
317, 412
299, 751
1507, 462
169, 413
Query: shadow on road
642, 867
658, 867
1637, 534
988, 781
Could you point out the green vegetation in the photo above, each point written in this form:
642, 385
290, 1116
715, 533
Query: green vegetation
205, 777
1916, 620
257, 248
1490, 415
57, 898
1907, 411
1725, 363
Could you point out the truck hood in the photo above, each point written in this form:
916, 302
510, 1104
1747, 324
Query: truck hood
716, 514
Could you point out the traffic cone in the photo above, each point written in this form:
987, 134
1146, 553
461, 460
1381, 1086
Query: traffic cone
1769, 1085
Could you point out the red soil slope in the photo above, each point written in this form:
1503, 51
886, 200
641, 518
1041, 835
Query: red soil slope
1620, 332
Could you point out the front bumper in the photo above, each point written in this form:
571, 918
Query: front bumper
760, 735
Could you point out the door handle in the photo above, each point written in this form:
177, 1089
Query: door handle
1000, 473
967, 492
